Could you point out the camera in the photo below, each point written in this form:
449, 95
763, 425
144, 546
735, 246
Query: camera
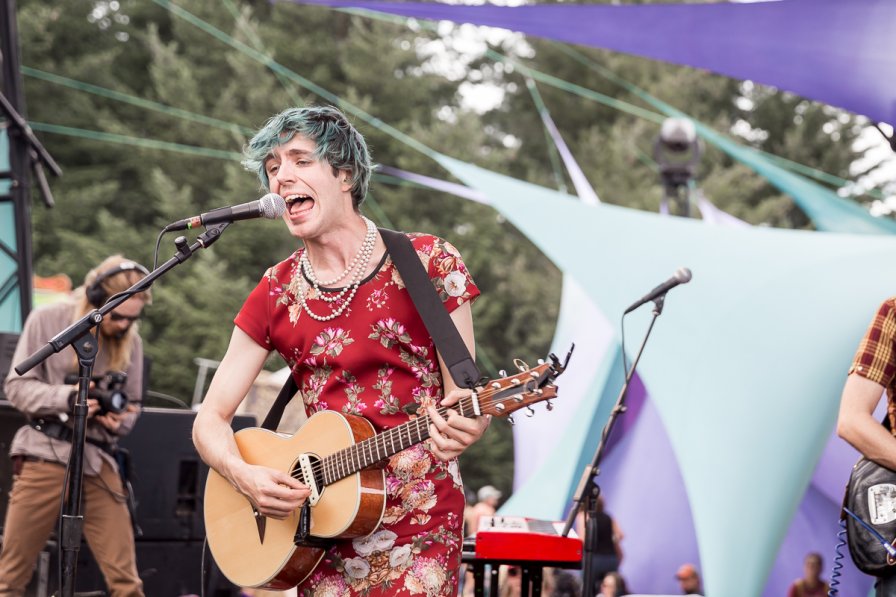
107, 389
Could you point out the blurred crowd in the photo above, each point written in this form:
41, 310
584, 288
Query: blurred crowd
606, 557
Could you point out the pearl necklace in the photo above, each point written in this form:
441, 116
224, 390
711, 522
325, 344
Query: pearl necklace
358, 265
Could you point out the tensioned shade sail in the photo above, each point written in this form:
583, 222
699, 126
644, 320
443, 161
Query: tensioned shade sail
838, 53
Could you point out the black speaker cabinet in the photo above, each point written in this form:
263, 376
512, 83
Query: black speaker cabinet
167, 474
168, 479
167, 569
10, 421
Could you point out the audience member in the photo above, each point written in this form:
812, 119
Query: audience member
689, 580
510, 581
613, 585
605, 542
566, 584
487, 504
810, 585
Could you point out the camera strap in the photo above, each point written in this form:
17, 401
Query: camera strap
59, 430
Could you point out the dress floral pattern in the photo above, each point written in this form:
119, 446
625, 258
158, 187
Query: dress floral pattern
376, 360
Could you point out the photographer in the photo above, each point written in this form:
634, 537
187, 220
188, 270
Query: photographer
40, 450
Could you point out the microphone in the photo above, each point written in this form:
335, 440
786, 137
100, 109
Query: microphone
271, 206
681, 276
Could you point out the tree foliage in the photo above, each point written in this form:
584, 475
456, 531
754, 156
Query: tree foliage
115, 197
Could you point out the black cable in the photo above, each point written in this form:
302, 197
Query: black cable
155, 255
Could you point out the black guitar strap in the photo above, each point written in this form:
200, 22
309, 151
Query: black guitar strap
438, 323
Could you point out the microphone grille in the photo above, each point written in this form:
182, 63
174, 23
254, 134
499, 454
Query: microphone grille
683, 275
272, 206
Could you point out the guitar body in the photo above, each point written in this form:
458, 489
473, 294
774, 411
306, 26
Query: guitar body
261, 552
342, 458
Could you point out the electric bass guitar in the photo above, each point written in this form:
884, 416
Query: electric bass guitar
341, 459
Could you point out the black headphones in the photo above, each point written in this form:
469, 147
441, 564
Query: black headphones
97, 295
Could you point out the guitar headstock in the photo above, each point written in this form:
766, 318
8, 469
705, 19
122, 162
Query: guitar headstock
506, 395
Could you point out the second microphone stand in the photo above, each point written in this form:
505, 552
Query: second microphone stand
588, 491
79, 337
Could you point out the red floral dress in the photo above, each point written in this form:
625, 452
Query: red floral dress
376, 360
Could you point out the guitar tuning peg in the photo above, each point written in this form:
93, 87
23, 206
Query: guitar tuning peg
496, 385
518, 397
500, 407
540, 361
521, 365
510, 420
502, 373
549, 405
530, 412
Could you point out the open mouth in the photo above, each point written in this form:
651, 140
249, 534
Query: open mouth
297, 203
298, 198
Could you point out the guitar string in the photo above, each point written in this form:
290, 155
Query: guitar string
334, 461
341, 461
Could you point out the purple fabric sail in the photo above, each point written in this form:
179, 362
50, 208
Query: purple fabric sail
839, 53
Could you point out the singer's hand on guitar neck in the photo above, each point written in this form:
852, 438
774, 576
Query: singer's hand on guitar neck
274, 493
451, 435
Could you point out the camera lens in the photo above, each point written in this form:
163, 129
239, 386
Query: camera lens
117, 402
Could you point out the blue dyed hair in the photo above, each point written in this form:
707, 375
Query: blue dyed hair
338, 142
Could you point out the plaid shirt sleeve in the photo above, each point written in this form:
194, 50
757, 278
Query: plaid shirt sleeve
876, 357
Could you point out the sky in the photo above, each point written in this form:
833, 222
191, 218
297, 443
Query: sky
468, 42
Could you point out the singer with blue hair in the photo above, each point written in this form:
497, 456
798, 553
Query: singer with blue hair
339, 313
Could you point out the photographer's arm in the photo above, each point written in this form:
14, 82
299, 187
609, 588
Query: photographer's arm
41, 391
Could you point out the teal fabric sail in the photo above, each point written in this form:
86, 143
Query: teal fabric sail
746, 364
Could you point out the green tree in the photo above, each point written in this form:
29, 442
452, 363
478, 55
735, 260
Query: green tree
115, 197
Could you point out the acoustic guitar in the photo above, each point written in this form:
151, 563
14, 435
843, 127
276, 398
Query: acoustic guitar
341, 459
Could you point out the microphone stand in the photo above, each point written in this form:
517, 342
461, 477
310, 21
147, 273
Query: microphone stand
85, 344
588, 491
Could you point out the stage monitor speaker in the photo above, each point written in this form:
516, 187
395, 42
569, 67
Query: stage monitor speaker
10, 421
167, 475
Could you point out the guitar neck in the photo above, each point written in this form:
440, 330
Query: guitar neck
365, 453
499, 397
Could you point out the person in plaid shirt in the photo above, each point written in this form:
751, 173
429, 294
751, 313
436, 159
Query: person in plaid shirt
872, 374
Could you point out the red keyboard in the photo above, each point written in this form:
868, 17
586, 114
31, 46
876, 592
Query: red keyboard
523, 539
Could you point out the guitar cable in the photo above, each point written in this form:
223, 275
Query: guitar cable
833, 591
203, 573
886, 544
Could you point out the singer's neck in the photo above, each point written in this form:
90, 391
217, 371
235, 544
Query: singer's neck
331, 252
